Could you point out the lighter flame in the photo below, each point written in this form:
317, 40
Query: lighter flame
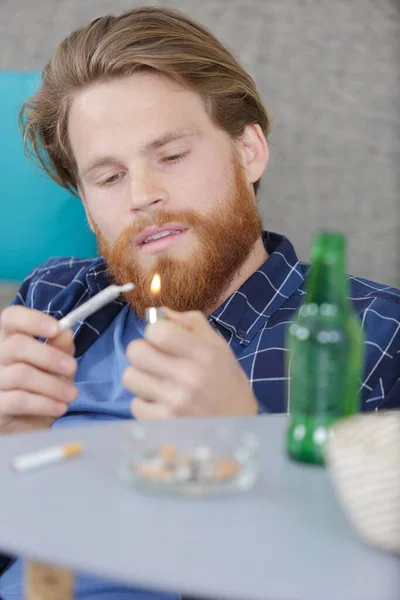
155, 286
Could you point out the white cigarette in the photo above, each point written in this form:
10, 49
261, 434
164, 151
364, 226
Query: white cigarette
98, 301
48, 456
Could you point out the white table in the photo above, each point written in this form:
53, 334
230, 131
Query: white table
287, 539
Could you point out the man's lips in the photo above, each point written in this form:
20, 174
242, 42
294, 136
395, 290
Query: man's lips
146, 237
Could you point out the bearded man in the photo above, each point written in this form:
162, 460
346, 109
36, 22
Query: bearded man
162, 134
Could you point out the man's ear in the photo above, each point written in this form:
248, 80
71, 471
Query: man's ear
253, 149
85, 206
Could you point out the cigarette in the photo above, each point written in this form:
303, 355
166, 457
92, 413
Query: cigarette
98, 301
42, 458
154, 314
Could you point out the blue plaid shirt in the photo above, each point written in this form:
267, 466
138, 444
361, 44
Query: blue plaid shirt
253, 320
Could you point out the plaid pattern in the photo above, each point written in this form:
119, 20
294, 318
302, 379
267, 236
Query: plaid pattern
253, 320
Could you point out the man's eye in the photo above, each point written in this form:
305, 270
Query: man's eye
112, 179
175, 158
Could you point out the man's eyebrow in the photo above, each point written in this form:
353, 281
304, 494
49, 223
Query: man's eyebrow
102, 161
156, 144
167, 138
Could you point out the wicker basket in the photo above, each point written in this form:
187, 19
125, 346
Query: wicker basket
363, 456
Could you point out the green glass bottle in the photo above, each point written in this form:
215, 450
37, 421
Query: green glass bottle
326, 353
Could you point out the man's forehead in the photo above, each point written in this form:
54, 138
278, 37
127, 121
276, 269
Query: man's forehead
147, 93
104, 115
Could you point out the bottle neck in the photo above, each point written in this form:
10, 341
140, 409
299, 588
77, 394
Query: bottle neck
327, 283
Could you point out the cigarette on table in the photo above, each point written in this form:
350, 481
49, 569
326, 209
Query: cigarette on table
98, 301
47, 456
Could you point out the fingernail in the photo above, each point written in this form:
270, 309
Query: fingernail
48, 328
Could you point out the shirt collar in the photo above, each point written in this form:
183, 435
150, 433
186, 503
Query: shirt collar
97, 277
249, 307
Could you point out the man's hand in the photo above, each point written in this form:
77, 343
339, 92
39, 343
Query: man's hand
36, 379
184, 368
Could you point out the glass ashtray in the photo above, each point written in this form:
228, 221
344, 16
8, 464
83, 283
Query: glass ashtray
189, 462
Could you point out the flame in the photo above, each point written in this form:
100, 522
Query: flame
155, 286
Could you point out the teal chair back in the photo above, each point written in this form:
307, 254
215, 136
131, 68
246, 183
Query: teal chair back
39, 219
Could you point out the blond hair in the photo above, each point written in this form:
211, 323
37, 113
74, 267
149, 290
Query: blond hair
157, 39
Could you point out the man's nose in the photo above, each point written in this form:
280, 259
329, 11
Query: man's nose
147, 192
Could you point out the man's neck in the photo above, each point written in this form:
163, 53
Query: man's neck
256, 258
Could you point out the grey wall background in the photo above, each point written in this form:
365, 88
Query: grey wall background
329, 72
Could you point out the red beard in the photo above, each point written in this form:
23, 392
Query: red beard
226, 238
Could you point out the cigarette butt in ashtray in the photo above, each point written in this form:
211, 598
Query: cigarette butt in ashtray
47, 456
